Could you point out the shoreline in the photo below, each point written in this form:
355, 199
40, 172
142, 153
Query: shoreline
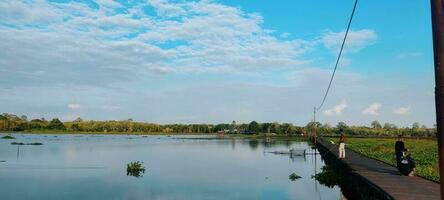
220, 136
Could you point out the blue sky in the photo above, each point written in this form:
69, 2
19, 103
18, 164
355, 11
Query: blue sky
216, 61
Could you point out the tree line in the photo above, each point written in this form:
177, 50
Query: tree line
10, 122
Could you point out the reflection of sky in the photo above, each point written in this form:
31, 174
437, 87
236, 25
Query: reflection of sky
91, 167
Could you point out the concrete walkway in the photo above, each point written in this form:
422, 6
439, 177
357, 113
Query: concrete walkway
386, 177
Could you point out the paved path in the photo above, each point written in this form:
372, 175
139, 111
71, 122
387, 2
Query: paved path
386, 177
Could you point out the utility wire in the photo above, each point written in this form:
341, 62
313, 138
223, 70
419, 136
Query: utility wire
339, 56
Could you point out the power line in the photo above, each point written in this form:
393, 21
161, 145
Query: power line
339, 56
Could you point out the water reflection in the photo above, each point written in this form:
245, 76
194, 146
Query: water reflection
336, 173
253, 144
329, 176
18, 151
294, 176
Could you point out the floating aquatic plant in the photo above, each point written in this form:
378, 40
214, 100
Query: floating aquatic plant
294, 177
21, 143
135, 169
8, 137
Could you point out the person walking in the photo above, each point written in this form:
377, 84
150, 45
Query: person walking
342, 145
399, 150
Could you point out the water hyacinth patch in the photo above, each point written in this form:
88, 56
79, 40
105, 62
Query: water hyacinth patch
135, 169
294, 177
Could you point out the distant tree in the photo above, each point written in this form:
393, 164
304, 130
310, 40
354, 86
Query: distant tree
253, 127
37, 124
325, 126
275, 128
24, 118
388, 126
342, 126
11, 116
222, 127
266, 127
78, 119
233, 126
286, 128
376, 125
75, 127
2, 117
415, 125
56, 124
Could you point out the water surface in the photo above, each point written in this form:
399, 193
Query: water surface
177, 167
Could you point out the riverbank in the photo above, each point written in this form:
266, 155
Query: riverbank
230, 136
423, 151
384, 177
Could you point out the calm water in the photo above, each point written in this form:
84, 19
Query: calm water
94, 167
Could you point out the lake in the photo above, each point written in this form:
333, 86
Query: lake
177, 167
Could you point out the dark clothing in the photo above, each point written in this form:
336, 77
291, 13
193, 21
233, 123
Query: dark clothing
399, 146
406, 166
399, 156
399, 151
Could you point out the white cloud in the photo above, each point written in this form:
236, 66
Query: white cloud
373, 109
59, 49
99, 47
110, 107
356, 40
74, 106
409, 55
318, 78
336, 110
402, 110
285, 35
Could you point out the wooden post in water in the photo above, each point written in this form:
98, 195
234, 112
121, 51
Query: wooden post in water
314, 126
437, 12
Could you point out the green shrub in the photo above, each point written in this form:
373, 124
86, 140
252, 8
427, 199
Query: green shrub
294, 177
8, 137
135, 169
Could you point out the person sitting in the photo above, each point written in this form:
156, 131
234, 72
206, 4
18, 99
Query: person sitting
407, 166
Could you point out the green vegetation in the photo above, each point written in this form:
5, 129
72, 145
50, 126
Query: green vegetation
374, 130
8, 137
10, 122
329, 176
294, 177
423, 151
135, 169
21, 143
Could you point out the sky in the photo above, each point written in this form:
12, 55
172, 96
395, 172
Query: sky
215, 61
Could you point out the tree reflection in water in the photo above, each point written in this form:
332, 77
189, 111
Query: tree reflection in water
329, 176
337, 173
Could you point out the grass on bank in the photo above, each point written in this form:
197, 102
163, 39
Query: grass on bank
423, 151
